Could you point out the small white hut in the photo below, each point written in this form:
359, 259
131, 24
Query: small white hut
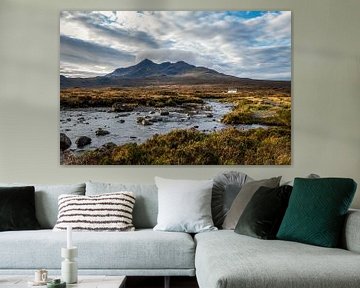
232, 90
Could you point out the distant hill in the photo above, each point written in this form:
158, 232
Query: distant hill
148, 73
147, 68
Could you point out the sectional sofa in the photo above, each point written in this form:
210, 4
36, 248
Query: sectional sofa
219, 259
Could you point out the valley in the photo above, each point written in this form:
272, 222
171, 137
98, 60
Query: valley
146, 115
201, 114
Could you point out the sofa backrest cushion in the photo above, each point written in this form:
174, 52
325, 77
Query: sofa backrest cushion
46, 200
146, 204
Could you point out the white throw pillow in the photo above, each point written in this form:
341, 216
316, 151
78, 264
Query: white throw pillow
184, 205
105, 212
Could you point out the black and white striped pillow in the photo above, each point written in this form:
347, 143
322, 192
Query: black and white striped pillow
105, 212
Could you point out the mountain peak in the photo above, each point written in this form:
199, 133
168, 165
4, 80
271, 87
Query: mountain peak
149, 69
146, 61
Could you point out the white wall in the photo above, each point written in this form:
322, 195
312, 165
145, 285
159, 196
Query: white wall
326, 91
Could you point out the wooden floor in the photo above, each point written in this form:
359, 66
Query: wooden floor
158, 282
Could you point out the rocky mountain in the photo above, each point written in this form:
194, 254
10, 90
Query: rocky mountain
149, 73
147, 68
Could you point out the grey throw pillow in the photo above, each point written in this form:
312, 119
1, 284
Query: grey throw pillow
242, 199
226, 187
184, 205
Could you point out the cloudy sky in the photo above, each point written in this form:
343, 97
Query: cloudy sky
252, 44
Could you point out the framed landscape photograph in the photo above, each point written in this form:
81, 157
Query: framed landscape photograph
175, 88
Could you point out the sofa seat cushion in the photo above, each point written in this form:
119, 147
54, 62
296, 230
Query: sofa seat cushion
225, 259
142, 249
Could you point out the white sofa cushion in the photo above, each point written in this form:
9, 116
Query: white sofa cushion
184, 205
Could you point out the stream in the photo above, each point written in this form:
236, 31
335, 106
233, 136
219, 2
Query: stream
124, 126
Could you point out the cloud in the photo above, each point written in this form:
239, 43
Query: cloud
103, 27
79, 53
254, 44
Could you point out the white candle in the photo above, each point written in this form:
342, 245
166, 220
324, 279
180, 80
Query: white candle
69, 237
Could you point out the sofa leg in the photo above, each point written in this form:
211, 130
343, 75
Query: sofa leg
167, 282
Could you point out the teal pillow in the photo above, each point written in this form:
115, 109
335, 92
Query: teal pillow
316, 211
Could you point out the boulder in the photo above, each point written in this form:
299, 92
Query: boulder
139, 119
65, 142
164, 113
82, 141
101, 132
146, 122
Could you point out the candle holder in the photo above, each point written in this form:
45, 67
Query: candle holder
69, 271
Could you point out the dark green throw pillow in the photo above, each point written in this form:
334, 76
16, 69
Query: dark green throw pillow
17, 208
316, 211
263, 214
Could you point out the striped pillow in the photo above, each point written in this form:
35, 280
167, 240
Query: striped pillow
105, 212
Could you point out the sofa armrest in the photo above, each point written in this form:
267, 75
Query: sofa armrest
351, 234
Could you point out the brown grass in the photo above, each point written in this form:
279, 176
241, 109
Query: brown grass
192, 147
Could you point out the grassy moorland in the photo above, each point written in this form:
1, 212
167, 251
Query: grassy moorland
231, 146
272, 111
252, 106
165, 95
146, 96
183, 147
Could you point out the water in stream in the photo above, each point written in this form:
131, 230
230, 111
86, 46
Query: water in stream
124, 127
